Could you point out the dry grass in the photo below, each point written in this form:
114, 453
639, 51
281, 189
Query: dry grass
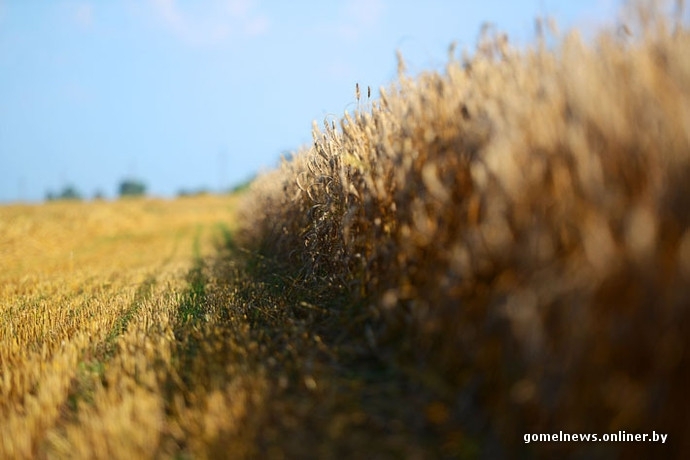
101, 307
513, 236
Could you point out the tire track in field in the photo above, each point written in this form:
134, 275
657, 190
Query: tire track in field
204, 370
92, 365
215, 382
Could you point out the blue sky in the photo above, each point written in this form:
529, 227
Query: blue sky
189, 94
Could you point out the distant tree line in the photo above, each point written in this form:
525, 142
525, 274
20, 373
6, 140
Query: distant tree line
68, 192
127, 188
130, 187
184, 192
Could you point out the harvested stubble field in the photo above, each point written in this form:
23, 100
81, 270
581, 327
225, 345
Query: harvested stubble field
100, 304
496, 250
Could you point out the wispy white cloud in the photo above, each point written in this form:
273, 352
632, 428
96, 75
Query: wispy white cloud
83, 14
256, 26
365, 13
211, 22
355, 18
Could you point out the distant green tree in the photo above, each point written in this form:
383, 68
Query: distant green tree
132, 187
69, 192
182, 193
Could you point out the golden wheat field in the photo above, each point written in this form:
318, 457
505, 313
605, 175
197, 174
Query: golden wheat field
90, 298
478, 257
137, 329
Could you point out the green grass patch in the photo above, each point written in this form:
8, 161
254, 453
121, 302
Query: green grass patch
92, 367
143, 293
227, 240
192, 305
